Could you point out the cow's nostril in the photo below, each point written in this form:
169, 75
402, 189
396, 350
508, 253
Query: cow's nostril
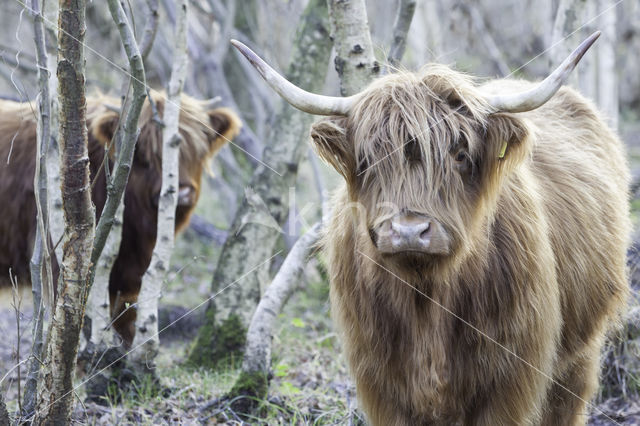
425, 234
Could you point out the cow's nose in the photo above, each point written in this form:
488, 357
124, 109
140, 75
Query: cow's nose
414, 235
410, 232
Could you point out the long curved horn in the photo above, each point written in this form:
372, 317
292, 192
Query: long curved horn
533, 98
299, 98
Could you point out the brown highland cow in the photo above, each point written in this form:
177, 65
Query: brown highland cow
477, 249
204, 132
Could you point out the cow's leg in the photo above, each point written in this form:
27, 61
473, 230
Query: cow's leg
517, 399
568, 402
123, 314
380, 410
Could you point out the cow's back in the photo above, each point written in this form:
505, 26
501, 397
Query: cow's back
582, 171
17, 166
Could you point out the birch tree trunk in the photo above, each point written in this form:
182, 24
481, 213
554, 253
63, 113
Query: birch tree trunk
146, 341
401, 27
56, 216
253, 380
355, 63
607, 84
41, 272
568, 18
56, 384
254, 233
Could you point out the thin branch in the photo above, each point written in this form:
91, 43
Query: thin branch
257, 357
492, 48
116, 187
207, 231
10, 60
41, 260
150, 28
400, 30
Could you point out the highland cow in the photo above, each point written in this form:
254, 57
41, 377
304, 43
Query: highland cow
477, 249
204, 131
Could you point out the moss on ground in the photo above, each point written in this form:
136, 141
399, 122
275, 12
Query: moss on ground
218, 345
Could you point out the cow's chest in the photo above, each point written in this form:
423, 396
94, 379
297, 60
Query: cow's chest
418, 357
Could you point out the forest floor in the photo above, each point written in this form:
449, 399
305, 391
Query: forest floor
310, 382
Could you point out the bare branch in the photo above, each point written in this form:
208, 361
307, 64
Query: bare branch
400, 30
150, 28
481, 29
257, 357
41, 260
115, 188
207, 231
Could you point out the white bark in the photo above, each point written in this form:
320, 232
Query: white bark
607, 71
355, 61
568, 18
406, 10
146, 338
587, 72
257, 357
56, 219
98, 308
41, 275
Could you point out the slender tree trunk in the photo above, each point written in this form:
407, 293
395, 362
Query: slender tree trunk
146, 340
401, 27
56, 387
56, 216
355, 62
41, 273
253, 381
569, 17
251, 242
607, 84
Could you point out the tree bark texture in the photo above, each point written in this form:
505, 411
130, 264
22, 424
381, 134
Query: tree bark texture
569, 17
146, 340
355, 62
607, 85
56, 384
254, 232
401, 27
253, 379
41, 272
118, 182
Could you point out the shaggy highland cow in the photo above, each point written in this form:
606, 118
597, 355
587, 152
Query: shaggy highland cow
204, 132
477, 249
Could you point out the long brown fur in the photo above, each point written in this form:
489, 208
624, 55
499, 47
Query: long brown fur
204, 132
538, 252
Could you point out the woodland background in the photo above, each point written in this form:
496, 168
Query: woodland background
486, 38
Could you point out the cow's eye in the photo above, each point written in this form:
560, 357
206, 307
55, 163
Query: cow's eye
462, 162
412, 150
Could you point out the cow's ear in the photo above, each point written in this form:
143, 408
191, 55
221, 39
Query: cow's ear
507, 143
103, 126
332, 144
225, 125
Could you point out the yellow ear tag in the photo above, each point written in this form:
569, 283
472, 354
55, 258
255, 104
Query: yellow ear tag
503, 150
